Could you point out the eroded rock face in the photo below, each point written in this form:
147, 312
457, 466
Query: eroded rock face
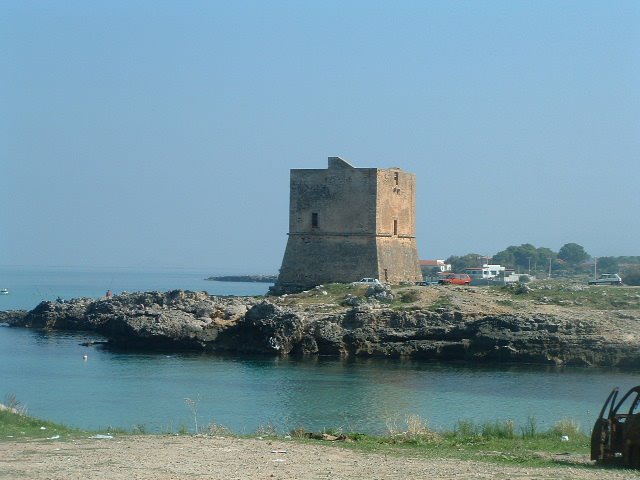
198, 321
176, 319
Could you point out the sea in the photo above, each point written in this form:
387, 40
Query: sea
56, 378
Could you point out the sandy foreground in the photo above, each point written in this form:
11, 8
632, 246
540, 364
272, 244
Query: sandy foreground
173, 457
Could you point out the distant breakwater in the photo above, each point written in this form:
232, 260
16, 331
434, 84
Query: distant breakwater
244, 278
182, 320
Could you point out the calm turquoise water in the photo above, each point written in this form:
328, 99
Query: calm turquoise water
47, 373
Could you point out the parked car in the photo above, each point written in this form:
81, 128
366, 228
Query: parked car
368, 281
455, 279
607, 279
616, 434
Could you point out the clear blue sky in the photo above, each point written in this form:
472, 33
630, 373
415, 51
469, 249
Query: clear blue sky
161, 133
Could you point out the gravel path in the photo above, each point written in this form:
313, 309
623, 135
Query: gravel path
173, 458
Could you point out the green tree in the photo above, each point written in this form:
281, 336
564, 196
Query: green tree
573, 254
546, 256
458, 264
631, 276
628, 260
525, 257
608, 264
506, 258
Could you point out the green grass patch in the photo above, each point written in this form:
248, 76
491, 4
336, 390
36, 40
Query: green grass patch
15, 426
409, 296
332, 294
571, 294
499, 441
442, 302
340, 290
406, 299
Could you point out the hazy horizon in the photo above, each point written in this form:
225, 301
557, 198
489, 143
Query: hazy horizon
161, 134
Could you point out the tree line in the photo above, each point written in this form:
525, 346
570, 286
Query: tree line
572, 258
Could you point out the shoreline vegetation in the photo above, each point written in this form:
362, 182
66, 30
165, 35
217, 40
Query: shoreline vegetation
410, 449
498, 441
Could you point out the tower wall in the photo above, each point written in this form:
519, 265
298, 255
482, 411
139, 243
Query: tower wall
396, 227
346, 223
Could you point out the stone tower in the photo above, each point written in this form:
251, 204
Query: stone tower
346, 223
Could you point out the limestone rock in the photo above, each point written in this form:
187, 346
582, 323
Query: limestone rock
197, 321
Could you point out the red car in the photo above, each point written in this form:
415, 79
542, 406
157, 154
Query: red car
456, 279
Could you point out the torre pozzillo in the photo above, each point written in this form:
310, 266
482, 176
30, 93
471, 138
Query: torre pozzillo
346, 223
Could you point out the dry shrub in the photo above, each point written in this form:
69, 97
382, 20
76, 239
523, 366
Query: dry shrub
299, 432
567, 426
417, 430
217, 430
268, 430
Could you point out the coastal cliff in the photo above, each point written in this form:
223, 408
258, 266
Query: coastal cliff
445, 323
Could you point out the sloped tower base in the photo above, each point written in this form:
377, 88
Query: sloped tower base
312, 261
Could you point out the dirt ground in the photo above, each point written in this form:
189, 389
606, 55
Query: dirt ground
173, 457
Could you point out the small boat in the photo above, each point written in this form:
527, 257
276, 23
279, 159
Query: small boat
4, 291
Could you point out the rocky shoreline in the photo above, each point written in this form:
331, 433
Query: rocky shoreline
361, 326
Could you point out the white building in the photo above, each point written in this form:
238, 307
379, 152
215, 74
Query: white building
491, 275
487, 271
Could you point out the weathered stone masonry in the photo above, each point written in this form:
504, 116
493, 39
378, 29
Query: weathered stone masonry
346, 223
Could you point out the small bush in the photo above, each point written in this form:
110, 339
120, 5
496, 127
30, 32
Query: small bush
530, 428
498, 429
216, 429
566, 426
418, 430
267, 430
299, 432
12, 403
409, 296
465, 429
392, 425
334, 431
518, 288
414, 430
139, 429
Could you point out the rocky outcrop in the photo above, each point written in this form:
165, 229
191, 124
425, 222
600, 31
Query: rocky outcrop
12, 316
180, 320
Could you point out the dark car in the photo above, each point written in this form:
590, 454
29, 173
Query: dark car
455, 279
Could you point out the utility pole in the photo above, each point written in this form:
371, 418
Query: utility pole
549, 268
595, 268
